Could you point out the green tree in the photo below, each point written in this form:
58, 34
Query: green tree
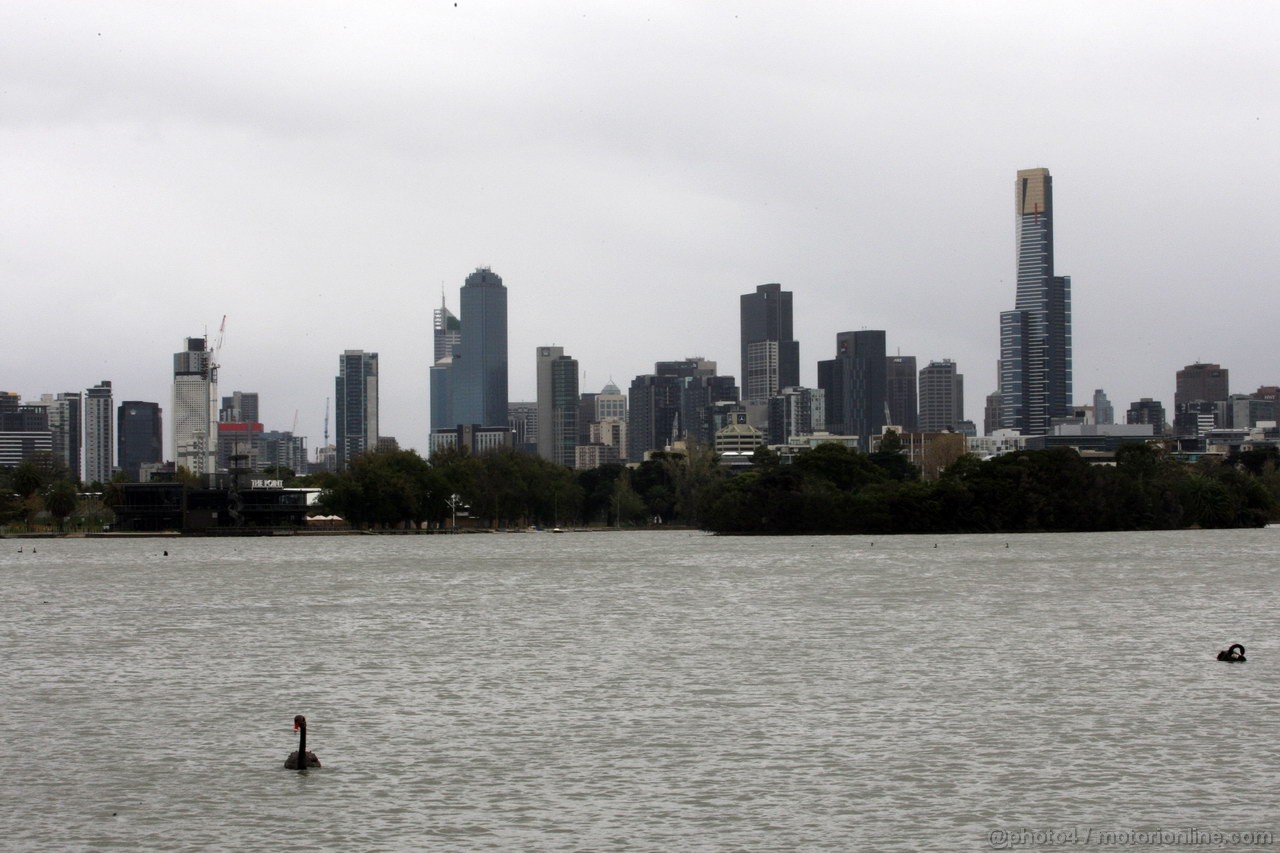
27, 479
61, 500
387, 488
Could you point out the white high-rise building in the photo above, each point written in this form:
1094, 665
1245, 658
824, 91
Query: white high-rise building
99, 433
195, 408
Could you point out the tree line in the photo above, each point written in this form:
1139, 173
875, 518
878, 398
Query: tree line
828, 489
833, 490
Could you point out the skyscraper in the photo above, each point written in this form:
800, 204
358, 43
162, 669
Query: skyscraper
1201, 381
653, 419
796, 412
98, 444
1103, 411
1035, 337
941, 397
195, 401
854, 385
139, 436
479, 380
900, 391
66, 424
557, 405
1147, 411
1200, 398
447, 338
446, 331
770, 356
356, 404
240, 407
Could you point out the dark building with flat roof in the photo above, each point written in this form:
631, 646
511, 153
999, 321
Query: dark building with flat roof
175, 506
900, 391
139, 437
770, 354
854, 385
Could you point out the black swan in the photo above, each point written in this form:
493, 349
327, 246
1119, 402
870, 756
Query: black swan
1231, 655
291, 763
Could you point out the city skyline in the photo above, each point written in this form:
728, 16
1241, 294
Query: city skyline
151, 153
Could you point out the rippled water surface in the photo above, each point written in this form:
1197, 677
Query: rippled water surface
635, 691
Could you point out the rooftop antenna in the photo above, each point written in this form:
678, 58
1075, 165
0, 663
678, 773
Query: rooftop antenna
326, 421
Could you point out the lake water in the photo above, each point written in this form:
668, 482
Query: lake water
637, 691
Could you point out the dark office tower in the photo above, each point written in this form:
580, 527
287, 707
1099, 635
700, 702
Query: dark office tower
240, 407
479, 380
1201, 382
586, 415
699, 400
1147, 411
557, 405
356, 404
98, 443
139, 437
440, 389
1035, 337
1201, 392
653, 418
75, 429
796, 412
854, 385
900, 391
770, 356
941, 397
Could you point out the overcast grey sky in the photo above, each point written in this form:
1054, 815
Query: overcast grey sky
317, 171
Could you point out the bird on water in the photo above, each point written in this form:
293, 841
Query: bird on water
310, 760
1231, 655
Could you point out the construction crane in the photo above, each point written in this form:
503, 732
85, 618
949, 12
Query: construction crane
215, 356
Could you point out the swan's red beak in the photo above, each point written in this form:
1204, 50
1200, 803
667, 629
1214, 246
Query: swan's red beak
295, 725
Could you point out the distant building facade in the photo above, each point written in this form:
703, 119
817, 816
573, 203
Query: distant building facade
1200, 399
1147, 411
195, 398
472, 439
139, 437
522, 422
24, 430
770, 353
941, 397
854, 385
1103, 412
66, 426
796, 412
900, 392
480, 378
557, 376
99, 433
356, 405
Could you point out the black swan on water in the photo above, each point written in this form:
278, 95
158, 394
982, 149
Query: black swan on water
1235, 654
292, 763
